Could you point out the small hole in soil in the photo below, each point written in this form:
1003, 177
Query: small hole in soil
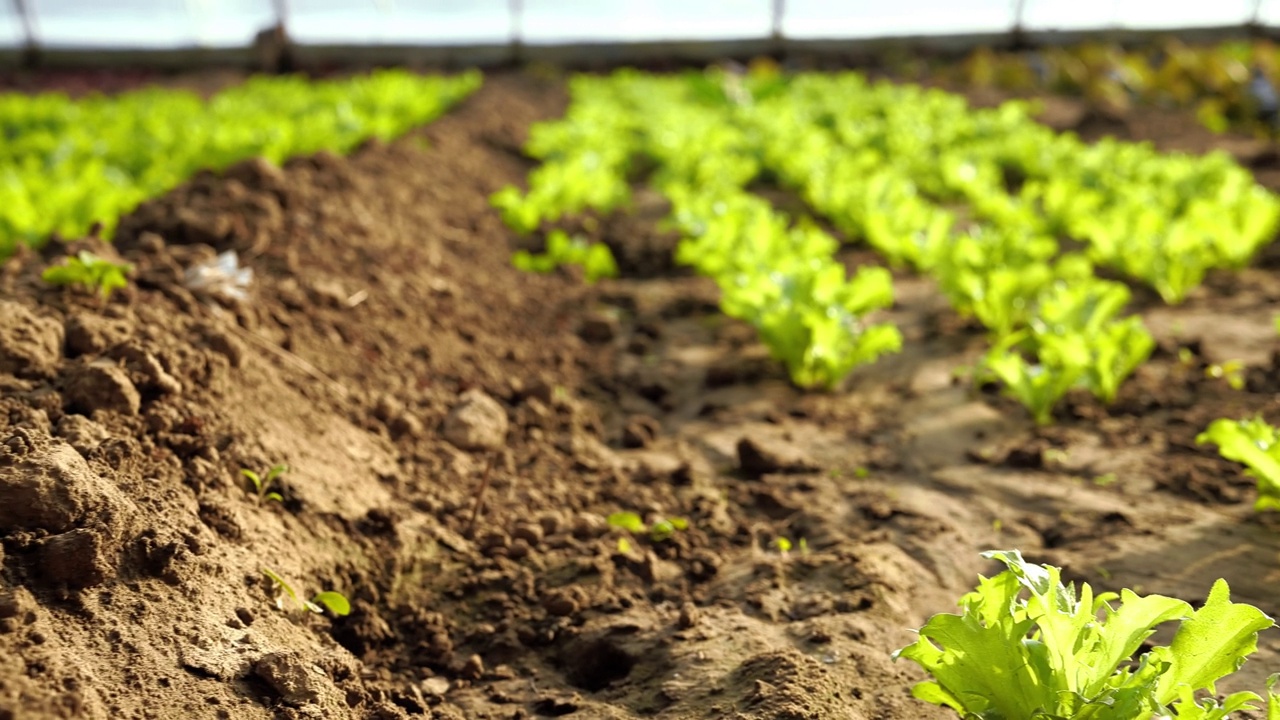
598, 664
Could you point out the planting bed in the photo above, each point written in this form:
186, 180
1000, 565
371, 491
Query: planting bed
393, 358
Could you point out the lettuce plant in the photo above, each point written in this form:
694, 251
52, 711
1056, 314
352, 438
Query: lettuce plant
1118, 349
263, 485
1251, 442
334, 601
90, 271
595, 258
1060, 364
1027, 647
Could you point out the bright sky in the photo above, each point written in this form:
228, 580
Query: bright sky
172, 23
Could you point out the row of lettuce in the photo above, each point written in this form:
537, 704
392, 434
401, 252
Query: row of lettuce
986, 201
68, 163
1229, 85
778, 274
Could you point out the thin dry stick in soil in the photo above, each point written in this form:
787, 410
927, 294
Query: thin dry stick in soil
475, 509
285, 355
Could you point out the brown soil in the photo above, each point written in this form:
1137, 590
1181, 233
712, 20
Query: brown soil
390, 355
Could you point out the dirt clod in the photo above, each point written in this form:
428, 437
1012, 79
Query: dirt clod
435, 687
689, 616
295, 680
29, 344
102, 385
589, 525
759, 455
405, 425
562, 603
88, 333
528, 532
81, 433
80, 558
48, 486
639, 431
477, 422
473, 668
599, 328
16, 603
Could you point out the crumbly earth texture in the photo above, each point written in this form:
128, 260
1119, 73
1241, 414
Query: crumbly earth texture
391, 357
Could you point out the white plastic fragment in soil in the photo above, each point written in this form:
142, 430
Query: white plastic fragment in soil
221, 278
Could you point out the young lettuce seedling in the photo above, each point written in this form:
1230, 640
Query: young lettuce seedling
784, 546
665, 528
595, 258
90, 271
262, 485
335, 602
1028, 647
1231, 371
661, 530
1040, 385
1253, 443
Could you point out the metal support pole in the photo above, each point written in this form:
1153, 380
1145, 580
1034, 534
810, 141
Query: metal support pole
273, 45
516, 9
1255, 19
31, 46
1018, 33
778, 11
1253, 26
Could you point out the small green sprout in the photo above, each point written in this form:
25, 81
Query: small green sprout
262, 485
784, 546
663, 529
335, 602
1232, 371
862, 473
629, 521
90, 271
624, 546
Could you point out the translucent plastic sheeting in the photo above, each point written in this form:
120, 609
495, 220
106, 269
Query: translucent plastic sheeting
1270, 14
422, 22
10, 29
556, 21
1167, 14
227, 23
1135, 14
865, 18
148, 23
